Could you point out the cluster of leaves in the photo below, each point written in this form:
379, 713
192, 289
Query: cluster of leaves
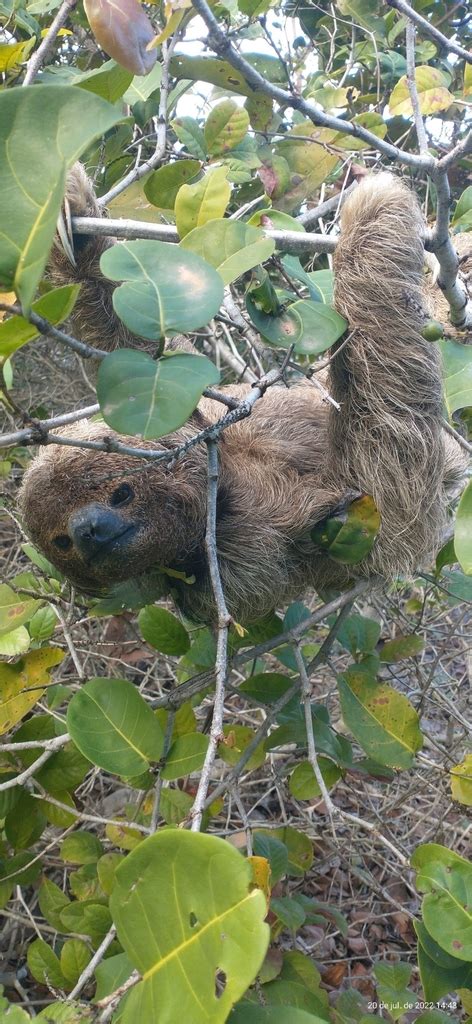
244, 166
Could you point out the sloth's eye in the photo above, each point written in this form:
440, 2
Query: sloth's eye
63, 542
122, 496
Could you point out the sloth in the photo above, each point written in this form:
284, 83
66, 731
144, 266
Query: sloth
104, 518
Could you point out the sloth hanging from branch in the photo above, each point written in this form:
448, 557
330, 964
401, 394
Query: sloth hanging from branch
104, 518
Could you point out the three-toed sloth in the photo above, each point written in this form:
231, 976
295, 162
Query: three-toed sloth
103, 518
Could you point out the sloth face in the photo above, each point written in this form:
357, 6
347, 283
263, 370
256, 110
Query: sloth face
102, 518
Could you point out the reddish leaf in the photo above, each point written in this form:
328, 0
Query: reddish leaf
123, 30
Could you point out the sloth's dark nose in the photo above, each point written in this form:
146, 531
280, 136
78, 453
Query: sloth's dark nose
94, 527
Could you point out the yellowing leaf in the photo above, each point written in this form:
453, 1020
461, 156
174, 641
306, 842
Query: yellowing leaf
468, 80
433, 93
461, 781
14, 54
261, 875
14, 609
8, 298
225, 127
22, 684
382, 720
171, 27
206, 200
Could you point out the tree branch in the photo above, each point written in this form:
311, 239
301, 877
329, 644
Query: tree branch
219, 42
454, 290
430, 30
411, 81
46, 46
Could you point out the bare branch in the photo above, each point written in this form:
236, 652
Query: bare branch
430, 30
46, 46
33, 434
224, 620
453, 288
329, 206
288, 241
89, 970
411, 81
50, 747
219, 42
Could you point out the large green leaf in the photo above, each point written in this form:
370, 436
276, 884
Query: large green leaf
225, 127
113, 727
311, 327
161, 186
230, 246
206, 200
159, 282
163, 630
55, 123
55, 306
382, 720
446, 878
186, 913
457, 370
139, 395
463, 531
109, 81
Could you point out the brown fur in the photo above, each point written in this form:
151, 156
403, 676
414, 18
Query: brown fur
290, 464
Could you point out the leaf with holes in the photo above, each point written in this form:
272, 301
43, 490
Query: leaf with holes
382, 720
189, 920
230, 246
208, 69
56, 123
149, 398
114, 728
159, 280
23, 684
463, 531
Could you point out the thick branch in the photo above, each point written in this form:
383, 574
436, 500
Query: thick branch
453, 288
294, 242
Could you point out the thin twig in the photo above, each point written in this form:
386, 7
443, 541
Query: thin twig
411, 81
89, 970
224, 620
50, 749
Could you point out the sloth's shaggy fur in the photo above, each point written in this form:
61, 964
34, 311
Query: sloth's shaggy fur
295, 459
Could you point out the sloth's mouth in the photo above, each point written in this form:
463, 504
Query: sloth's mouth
112, 545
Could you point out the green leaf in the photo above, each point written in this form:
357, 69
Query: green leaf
139, 395
462, 217
303, 784
114, 727
382, 720
184, 909
402, 647
23, 683
457, 372
439, 972
158, 278
283, 329
109, 81
81, 848
237, 738
266, 687
106, 870
248, 1013
14, 609
225, 127
56, 123
446, 878
229, 246
54, 306
433, 94
290, 913
208, 69
299, 847
163, 630
188, 132
185, 756
87, 917
265, 845
161, 186
350, 537
392, 981
463, 531
143, 86
359, 634
112, 973
44, 964
75, 955
206, 200
43, 623
14, 643
52, 901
